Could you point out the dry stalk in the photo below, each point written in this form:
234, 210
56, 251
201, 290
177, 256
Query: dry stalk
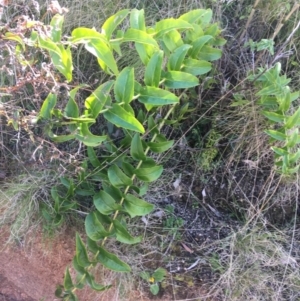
249, 20
280, 25
277, 30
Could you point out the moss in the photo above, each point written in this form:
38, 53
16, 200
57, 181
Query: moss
210, 151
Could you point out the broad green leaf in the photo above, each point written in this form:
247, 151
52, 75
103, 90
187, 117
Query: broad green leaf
59, 291
104, 203
121, 118
285, 101
153, 69
48, 105
172, 40
157, 97
197, 15
139, 36
154, 288
99, 49
274, 116
198, 45
85, 192
205, 17
71, 109
128, 169
14, 37
143, 189
68, 284
276, 135
269, 90
280, 151
128, 108
48, 44
149, 174
92, 245
95, 286
180, 80
213, 30
99, 176
72, 297
196, 67
208, 53
137, 19
83, 35
292, 170
218, 41
94, 228
152, 125
124, 85
123, 235
116, 43
112, 262
117, 178
160, 147
159, 274
66, 182
63, 61
136, 207
136, 148
268, 101
58, 220
93, 157
292, 138
81, 119
145, 52
192, 35
114, 192
87, 138
56, 24
293, 158
79, 269
293, 120
81, 252
164, 26
96, 101
145, 275
55, 196
177, 57
295, 95
112, 22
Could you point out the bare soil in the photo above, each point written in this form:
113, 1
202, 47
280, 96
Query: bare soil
31, 272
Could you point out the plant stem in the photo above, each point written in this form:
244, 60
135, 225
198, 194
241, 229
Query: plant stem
249, 20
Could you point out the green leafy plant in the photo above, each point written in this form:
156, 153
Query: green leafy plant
154, 279
174, 52
276, 98
172, 223
264, 44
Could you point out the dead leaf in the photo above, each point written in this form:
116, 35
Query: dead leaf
176, 184
251, 164
187, 248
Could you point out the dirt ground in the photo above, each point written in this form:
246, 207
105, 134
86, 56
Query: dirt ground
31, 273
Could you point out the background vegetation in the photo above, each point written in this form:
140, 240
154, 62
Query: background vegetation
226, 222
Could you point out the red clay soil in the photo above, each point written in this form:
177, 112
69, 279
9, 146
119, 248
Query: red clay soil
32, 272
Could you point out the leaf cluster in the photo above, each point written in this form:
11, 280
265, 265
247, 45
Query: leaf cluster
276, 98
175, 54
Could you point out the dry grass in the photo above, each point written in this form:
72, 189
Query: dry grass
20, 203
